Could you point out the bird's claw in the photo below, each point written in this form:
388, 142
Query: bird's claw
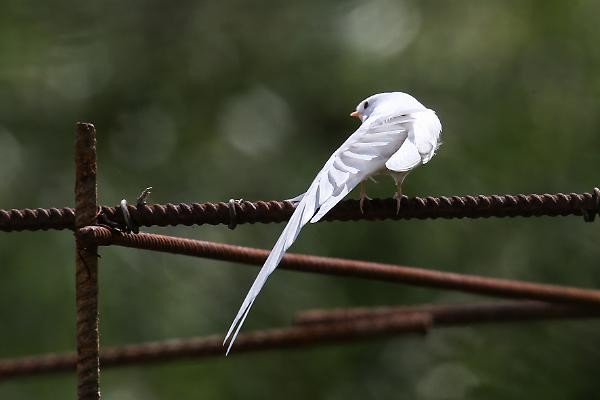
362, 202
363, 196
398, 198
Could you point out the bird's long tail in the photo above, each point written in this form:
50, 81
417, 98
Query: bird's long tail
302, 214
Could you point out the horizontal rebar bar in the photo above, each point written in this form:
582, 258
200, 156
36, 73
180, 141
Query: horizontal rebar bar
242, 212
453, 314
101, 236
34, 219
298, 336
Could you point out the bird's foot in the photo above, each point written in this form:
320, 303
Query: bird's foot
363, 196
398, 197
362, 201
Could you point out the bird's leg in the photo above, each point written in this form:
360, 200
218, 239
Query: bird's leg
398, 179
363, 195
398, 196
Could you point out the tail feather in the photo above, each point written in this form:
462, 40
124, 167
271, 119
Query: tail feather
335, 180
300, 217
235, 334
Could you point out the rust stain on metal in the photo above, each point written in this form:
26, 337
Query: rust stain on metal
199, 347
246, 212
454, 314
316, 328
344, 267
86, 265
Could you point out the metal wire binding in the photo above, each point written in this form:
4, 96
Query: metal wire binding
232, 213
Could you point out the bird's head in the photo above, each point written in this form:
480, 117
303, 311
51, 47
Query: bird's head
381, 103
365, 108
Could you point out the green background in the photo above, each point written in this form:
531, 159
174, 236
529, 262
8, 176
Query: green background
207, 101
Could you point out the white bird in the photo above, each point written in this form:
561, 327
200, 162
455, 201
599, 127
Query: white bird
397, 134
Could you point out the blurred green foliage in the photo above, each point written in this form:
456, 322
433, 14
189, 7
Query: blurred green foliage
212, 100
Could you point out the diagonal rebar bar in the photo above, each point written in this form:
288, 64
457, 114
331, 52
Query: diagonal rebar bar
309, 334
335, 266
477, 206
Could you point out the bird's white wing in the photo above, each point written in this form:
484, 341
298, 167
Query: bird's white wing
423, 140
364, 153
404, 159
427, 129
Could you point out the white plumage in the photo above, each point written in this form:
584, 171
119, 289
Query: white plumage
397, 134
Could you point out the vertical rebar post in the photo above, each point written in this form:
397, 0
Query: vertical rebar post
86, 265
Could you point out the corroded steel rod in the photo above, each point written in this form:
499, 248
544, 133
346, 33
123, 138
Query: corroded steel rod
86, 265
454, 314
243, 212
336, 266
419, 320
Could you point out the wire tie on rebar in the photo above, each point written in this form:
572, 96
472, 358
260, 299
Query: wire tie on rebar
232, 213
107, 223
590, 214
130, 225
141, 200
127, 217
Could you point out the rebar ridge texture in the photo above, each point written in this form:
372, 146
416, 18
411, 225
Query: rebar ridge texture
86, 265
32, 219
478, 206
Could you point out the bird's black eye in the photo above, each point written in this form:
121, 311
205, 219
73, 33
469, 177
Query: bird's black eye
366, 105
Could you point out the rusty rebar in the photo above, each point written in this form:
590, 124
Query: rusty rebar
200, 347
477, 206
330, 332
453, 314
344, 267
86, 265
33, 219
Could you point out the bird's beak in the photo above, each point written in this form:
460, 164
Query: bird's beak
355, 114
